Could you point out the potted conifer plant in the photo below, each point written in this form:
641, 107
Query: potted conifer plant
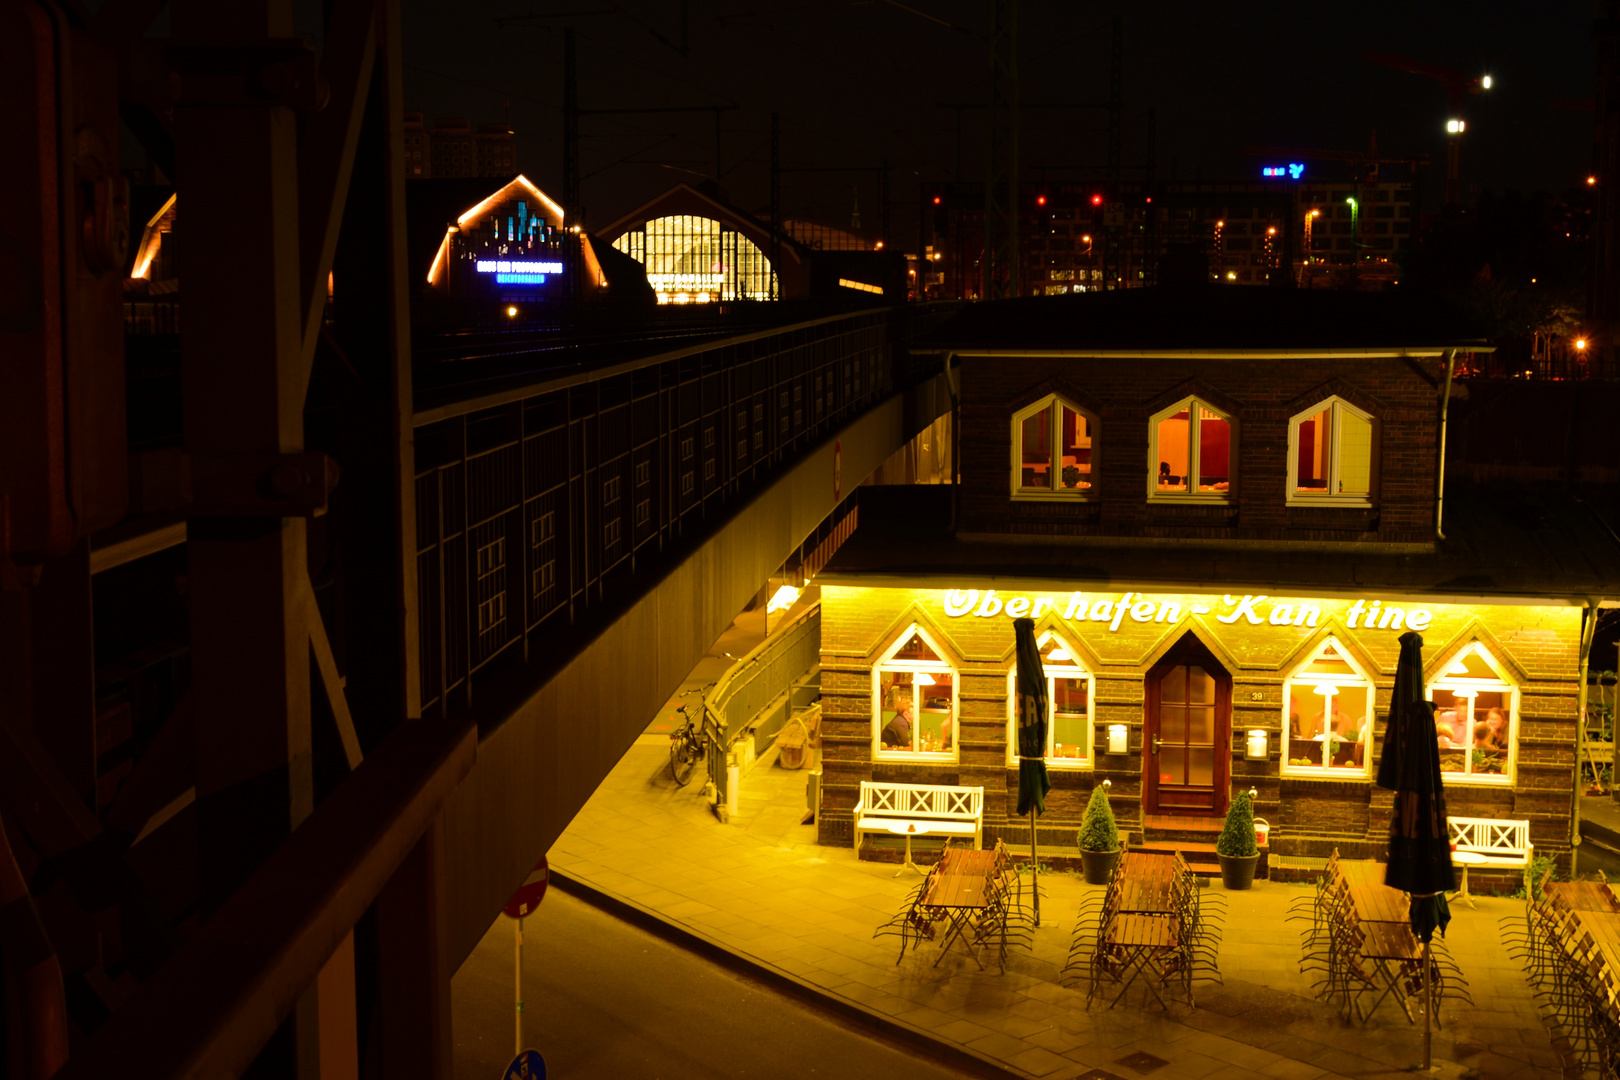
1099, 838
1236, 847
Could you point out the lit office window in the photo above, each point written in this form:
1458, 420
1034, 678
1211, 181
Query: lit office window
914, 700
1068, 706
1191, 448
1476, 718
1328, 716
1330, 454
1053, 447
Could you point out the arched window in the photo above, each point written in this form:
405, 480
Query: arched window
1190, 453
1328, 717
1054, 445
1068, 706
1330, 454
1476, 718
694, 260
914, 701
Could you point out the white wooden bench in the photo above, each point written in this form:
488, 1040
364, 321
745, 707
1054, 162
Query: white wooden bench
1501, 841
1488, 842
920, 810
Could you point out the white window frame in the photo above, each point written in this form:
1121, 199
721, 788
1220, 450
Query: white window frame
1072, 670
1052, 404
887, 664
1194, 406
1329, 497
1501, 684
1363, 684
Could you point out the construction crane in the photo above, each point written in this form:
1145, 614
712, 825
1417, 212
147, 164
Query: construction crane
1457, 84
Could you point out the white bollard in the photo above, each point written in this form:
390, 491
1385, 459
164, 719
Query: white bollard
733, 784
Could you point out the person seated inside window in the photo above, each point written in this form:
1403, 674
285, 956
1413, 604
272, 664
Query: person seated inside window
897, 732
1496, 731
1165, 479
1445, 729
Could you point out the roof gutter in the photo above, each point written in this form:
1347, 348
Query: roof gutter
1415, 352
1440, 464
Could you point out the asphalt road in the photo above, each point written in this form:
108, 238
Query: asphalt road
603, 998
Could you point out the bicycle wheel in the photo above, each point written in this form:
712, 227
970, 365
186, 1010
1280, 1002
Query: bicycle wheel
683, 759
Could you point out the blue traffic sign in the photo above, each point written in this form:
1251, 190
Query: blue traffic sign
528, 1065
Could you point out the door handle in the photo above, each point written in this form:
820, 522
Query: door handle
1156, 743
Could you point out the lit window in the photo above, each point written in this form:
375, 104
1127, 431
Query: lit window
1330, 454
1053, 449
1191, 444
1476, 718
1068, 706
914, 701
1328, 716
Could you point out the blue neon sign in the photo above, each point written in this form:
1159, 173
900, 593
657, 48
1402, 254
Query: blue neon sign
520, 279
517, 266
1292, 171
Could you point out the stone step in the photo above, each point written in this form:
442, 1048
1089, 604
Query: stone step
1200, 856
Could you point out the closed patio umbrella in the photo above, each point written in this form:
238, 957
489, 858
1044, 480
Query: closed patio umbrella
1408, 688
1030, 705
1419, 838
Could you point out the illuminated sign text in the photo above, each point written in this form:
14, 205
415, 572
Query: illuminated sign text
1292, 171
1249, 609
517, 266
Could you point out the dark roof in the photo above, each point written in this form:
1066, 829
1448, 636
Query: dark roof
1201, 317
1500, 544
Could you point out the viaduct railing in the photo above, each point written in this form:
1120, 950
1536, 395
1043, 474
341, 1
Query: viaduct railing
540, 506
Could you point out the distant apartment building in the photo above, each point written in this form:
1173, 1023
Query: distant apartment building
452, 147
1085, 237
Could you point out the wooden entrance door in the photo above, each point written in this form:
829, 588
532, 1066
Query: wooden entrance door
1187, 733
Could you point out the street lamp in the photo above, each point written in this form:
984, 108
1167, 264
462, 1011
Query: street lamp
1087, 239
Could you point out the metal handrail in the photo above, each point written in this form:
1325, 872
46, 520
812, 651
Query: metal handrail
732, 684
214, 1005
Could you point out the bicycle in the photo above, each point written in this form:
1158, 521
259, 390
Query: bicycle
686, 743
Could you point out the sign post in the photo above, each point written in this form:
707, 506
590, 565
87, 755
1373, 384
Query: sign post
523, 902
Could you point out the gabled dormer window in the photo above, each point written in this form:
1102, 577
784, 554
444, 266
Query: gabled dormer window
1330, 455
1053, 450
1190, 453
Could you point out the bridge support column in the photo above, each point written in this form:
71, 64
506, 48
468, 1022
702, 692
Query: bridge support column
414, 975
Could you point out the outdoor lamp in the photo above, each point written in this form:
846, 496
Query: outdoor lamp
1257, 749
1119, 738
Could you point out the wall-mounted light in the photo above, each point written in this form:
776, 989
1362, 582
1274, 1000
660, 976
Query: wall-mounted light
1119, 739
1257, 748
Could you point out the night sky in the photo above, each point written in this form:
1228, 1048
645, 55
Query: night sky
857, 82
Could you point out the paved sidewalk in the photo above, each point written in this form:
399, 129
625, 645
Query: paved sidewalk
761, 889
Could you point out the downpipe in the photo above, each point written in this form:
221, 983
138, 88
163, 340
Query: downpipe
1589, 618
1440, 465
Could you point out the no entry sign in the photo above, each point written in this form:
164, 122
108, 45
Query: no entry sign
529, 894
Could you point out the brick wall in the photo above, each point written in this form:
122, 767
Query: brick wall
1261, 395
1536, 648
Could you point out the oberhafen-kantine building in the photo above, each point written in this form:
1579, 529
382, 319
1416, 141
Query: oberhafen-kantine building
1222, 508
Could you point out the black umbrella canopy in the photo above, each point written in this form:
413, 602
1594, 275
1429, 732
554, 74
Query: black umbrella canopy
1030, 701
1408, 689
1419, 839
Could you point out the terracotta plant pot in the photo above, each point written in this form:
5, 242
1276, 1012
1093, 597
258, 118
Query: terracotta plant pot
1098, 865
1237, 871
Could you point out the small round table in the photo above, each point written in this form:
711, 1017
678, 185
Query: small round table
908, 829
1465, 859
